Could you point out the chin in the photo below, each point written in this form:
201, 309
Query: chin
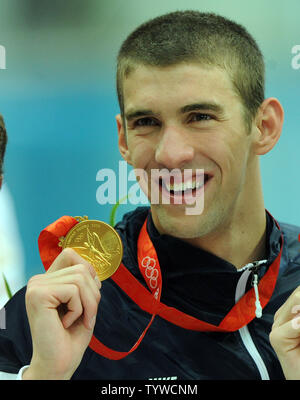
178, 224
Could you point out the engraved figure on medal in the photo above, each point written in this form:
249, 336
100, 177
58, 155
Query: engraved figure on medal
93, 250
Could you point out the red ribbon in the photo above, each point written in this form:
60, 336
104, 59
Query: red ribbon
241, 313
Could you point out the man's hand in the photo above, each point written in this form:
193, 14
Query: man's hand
285, 335
61, 307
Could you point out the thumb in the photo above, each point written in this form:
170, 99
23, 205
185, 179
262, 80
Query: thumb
67, 258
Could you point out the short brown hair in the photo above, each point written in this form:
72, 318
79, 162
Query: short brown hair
204, 38
3, 142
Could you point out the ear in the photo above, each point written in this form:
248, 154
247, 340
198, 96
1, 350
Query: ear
269, 123
122, 141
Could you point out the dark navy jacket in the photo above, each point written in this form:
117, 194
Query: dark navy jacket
195, 282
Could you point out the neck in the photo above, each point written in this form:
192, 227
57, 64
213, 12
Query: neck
239, 245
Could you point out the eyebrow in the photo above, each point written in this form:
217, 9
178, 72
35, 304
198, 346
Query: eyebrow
189, 107
138, 113
203, 106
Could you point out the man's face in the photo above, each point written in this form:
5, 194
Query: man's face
189, 117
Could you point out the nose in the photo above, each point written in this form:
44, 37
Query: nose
174, 150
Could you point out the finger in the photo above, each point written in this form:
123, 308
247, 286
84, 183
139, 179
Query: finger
88, 291
287, 336
288, 310
69, 257
73, 301
63, 298
70, 275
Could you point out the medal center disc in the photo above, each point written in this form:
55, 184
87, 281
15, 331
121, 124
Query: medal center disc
99, 244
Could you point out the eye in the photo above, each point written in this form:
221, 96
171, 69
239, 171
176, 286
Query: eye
146, 121
200, 117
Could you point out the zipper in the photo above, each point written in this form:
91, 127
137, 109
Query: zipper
247, 270
254, 267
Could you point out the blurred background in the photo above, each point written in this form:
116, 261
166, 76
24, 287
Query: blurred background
57, 95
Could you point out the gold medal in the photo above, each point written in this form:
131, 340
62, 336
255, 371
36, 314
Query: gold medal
96, 242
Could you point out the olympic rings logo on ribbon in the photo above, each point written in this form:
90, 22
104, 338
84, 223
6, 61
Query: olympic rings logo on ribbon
151, 272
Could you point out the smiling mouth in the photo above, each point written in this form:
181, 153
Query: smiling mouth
185, 188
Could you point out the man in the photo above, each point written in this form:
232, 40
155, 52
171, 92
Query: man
191, 93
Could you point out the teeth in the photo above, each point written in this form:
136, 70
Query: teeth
181, 187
